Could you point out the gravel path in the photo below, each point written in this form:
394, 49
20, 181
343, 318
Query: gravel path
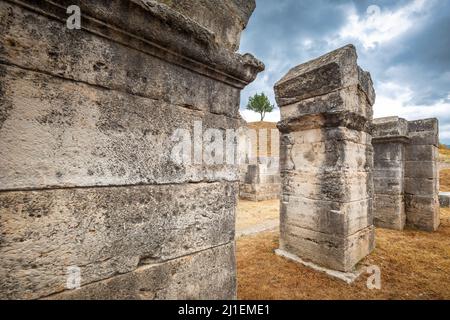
267, 225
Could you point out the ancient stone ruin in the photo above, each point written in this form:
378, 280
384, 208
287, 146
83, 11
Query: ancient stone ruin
406, 180
90, 195
260, 172
326, 161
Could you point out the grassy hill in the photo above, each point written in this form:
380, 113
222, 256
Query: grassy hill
444, 153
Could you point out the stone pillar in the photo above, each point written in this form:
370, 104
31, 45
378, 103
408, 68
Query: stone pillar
390, 135
422, 175
90, 195
326, 161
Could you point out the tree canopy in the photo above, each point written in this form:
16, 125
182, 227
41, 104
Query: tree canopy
260, 103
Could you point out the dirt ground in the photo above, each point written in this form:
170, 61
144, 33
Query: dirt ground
250, 213
444, 180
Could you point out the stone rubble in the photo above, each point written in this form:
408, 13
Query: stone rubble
406, 173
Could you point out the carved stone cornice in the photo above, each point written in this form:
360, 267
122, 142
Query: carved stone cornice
157, 30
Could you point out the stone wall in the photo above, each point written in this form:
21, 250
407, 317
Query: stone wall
87, 181
422, 175
261, 181
390, 135
406, 178
326, 161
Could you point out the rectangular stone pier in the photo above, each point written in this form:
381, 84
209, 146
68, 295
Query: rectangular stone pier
260, 173
422, 175
406, 174
326, 161
91, 197
390, 135
261, 181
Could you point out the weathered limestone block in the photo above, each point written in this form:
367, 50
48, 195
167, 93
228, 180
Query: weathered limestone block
390, 135
326, 160
389, 211
327, 216
422, 176
406, 173
127, 62
422, 212
215, 14
336, 101
208, 274
87, 120
424, 132
428, 169
261, 181
106, 231
325, 75
101, 137
333, 252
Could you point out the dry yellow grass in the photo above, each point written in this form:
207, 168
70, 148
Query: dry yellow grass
414, 265
250, 213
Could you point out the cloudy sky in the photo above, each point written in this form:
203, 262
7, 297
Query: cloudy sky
405, 45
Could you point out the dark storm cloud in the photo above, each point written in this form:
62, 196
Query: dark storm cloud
287, 32
277, 29
425, 58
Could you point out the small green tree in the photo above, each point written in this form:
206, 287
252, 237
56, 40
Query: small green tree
260, 103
